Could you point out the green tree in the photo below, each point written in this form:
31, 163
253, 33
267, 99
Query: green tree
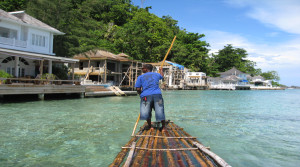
193, 53
145, 37
13, 5
229, 57
271, 75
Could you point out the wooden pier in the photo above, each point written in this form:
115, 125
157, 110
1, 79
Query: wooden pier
173, 147
42, 87
40, 90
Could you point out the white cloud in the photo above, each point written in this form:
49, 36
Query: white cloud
219, 39
280, 57
282, 14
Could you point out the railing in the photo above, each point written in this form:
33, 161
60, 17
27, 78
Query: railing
229, 86
195, 84
13, 42
17, 81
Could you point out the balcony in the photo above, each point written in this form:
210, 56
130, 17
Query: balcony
13, 42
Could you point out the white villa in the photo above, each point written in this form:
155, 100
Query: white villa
260, 81
195, 80
26, 45
230, 80
234, 79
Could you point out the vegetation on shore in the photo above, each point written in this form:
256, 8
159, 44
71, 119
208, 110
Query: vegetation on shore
119, 26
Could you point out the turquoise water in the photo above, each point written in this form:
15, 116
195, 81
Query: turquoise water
246, 128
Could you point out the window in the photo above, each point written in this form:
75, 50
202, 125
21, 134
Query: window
8, 33
24, 61
13, 71
38, 40
98, 64
8, 70
111, 66
22, 72
8, 59
80, 65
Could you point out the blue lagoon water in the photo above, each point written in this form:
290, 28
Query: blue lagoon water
245, 128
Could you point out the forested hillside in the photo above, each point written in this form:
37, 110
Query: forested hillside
119, 26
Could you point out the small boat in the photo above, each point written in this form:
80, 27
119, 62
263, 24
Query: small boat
172, 147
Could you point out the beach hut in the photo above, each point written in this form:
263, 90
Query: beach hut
100, 66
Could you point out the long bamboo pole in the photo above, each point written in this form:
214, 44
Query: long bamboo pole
162, 64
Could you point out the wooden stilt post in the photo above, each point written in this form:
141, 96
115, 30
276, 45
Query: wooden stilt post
136, 70
73, 75
105, 69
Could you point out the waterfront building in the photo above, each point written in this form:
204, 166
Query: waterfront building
173, 74
195, 80
230, 80
234, 79
259, 81
176, 76
103, 67
26, 45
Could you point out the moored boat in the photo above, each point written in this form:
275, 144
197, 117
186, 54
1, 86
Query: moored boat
172, 147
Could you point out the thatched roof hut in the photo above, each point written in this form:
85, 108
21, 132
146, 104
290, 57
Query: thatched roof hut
102, 55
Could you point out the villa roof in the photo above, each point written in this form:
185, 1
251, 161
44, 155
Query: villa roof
24, 19
232, 71
232, 78
101, 55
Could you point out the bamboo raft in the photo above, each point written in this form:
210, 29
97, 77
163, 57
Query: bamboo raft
173, 147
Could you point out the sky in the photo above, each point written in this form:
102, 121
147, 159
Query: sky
269, 30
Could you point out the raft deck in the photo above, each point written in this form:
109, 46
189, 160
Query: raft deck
173, 147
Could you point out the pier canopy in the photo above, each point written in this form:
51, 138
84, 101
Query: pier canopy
181, 67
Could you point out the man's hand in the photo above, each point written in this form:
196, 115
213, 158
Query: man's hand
139, 90
161, 71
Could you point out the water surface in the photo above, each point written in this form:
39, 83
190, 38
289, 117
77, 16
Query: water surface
246, 128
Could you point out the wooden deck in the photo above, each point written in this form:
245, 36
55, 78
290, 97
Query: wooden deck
174, 147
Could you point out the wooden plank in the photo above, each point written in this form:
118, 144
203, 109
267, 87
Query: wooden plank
119, 90
115, 91
130, 155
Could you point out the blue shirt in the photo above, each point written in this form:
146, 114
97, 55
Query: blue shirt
150, 83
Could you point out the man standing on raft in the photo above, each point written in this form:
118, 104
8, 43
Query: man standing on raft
147, 86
